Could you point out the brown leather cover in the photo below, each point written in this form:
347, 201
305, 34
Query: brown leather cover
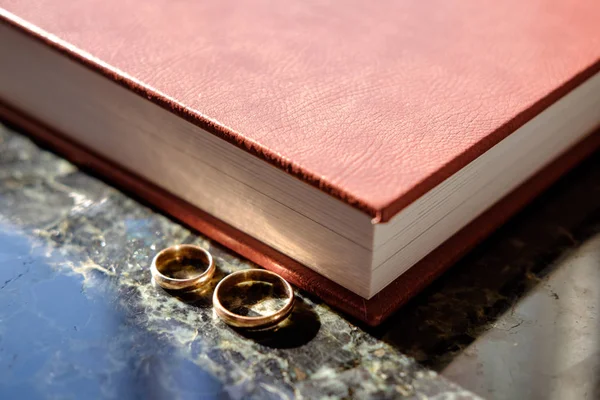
372, 311
374, 104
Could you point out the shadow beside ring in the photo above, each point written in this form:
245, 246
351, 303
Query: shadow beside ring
299, 328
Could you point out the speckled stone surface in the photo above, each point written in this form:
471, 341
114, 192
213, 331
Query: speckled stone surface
519, 317
80, 318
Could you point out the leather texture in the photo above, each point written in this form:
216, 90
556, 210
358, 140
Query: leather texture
373, 104
373, 311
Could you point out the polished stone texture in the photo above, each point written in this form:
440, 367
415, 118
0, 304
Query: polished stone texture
79, 317
518, 317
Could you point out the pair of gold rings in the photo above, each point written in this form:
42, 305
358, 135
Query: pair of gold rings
176, 268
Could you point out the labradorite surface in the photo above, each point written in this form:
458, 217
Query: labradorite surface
516, 318
80, 317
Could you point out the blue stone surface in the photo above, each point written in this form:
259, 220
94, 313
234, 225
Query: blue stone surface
80, 318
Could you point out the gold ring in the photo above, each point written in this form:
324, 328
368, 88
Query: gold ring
250, 276
176, 267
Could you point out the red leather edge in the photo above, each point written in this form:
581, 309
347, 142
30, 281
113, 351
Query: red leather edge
202, 121
491, 140
372, 311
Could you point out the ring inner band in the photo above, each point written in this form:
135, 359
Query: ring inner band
182, 266
253, 298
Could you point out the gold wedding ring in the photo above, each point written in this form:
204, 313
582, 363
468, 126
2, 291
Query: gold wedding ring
227, 286
177, 268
